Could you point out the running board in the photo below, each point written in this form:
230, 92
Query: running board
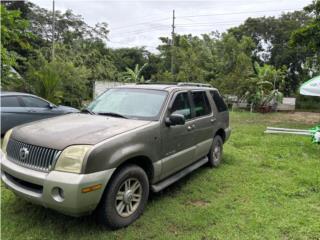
168, 181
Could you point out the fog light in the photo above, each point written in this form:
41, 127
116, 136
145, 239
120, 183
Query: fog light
57, 194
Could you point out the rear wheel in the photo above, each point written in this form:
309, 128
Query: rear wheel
125, 197
215, 154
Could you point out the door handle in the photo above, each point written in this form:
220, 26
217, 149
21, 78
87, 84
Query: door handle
191, 127
212, 120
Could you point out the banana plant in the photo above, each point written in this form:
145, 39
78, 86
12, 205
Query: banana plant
134, 75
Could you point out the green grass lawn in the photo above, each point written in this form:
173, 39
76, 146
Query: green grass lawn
268, 187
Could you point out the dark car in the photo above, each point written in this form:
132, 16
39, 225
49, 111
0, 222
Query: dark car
18, 108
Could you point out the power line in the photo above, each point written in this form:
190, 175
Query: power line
191, 16
125, 44
195, 24
141, 23
138, 31
234, 13
180, 26
206, 24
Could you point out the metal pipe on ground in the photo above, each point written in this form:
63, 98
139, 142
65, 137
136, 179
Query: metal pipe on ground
287, 129
289, 132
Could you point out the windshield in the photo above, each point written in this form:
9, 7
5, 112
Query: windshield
142, 104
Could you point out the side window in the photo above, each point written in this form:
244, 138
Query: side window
10, 101
34, 102
221, 106
201, 103
181, 105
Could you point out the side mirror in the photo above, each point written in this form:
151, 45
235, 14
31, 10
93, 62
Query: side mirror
51, 105
175, 119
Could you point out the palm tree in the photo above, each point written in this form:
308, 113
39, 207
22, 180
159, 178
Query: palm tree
134, 75
48, 84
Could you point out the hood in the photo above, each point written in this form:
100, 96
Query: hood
67, 109
60, 132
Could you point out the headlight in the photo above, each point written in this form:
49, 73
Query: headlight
5, 141
71, 158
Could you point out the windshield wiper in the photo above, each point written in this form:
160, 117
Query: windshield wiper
112, 114
86, 110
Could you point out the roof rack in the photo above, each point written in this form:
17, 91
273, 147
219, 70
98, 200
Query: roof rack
191, 84
194, 84
150, 82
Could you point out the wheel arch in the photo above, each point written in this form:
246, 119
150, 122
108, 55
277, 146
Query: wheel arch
221, 133
142, 161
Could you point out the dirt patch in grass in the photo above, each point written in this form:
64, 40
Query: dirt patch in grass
199, 203
173, 229
299, 117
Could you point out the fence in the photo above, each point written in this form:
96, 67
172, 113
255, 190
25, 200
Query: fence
101, 86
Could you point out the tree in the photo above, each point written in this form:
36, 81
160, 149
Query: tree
129, 57
134, 75
263, 91
308, 37
234, 64
14, 36
193, 61
309, 34
91, 54
58, 81
271, 36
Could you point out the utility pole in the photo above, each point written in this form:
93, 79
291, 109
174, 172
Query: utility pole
53, 23
172, 43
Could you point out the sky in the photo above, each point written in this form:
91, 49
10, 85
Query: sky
141, 23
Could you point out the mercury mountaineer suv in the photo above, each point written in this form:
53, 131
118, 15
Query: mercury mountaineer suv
127, 142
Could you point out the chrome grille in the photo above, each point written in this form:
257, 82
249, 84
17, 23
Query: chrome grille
37, 158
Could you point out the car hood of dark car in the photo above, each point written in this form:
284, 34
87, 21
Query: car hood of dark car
67, 109
72, 129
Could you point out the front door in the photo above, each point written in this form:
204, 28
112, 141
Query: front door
177, 141
38, 108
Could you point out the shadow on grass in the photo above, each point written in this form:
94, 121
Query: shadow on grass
20, 210
175, 188
229, 159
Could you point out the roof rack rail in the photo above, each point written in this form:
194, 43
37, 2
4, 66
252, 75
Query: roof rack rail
191, 84
194, 84
150, 82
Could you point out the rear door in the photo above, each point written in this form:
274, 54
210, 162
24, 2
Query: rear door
222, 115
13, 113
203, 123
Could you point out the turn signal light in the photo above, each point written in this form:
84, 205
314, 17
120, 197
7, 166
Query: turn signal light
91, 188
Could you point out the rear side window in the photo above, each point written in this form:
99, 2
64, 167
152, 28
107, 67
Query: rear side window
221, 106
201, 104
181, 105
34, 102
10, 101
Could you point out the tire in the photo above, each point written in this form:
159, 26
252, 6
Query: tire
215, 154
128, 183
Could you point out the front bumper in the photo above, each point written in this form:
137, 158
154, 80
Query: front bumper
60, 191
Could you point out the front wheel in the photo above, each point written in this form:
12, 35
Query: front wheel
215, 154
125, 197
